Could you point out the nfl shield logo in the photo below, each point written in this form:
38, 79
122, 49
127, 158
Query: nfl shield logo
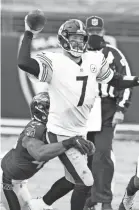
95, 22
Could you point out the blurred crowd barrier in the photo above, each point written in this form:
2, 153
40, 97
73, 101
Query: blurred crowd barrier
121, 17
121, 21
105, 6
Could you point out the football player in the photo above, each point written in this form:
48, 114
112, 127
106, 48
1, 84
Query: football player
131, 190
115, 103
31, 153
72, 77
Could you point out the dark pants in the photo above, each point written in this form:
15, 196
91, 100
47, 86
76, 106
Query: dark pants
102, 163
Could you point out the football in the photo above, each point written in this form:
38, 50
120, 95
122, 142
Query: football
36, 20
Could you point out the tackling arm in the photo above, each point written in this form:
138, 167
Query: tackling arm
44, 152
41, 151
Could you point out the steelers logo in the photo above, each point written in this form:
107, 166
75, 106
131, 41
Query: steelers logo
93, 68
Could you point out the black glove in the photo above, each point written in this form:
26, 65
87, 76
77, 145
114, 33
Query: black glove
79, 143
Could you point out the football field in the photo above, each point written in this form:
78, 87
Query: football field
126, 153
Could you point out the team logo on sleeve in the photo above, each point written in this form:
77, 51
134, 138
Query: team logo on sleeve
30, 131
93, 68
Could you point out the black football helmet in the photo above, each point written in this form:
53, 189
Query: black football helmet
73, 27
39, 107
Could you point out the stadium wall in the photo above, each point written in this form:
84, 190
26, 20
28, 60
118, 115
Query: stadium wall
14, 104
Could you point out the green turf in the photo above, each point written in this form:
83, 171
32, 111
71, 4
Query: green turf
126, 155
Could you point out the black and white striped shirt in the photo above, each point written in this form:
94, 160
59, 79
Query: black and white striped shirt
118, 63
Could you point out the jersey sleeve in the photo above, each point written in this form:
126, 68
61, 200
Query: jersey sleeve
105, 73
35, 130
46, 67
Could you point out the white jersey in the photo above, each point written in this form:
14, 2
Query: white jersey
72, 89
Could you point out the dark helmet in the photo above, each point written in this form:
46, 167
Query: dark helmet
40, 107
72, 27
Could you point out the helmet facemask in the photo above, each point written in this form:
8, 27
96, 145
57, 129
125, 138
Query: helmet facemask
78, 44
41, 113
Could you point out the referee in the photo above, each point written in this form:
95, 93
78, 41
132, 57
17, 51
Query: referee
114, 104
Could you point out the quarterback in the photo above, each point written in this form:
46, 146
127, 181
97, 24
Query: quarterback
71, 77
30, 154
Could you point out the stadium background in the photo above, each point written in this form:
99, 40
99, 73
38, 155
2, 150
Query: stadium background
121, 21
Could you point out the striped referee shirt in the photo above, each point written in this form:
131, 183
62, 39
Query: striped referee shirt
118, 63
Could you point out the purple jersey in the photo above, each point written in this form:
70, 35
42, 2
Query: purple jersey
18, 164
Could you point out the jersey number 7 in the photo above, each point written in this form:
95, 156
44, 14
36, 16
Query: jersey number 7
84, 80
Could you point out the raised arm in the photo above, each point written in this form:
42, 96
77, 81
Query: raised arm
40, 65
25, 62
40, 151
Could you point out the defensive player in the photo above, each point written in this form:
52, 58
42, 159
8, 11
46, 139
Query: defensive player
72, 80
131, 190
114, 102
31, 153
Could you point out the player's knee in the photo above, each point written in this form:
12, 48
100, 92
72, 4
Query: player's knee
136, 182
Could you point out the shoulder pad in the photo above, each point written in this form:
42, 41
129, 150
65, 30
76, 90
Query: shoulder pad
32, 127
30, 131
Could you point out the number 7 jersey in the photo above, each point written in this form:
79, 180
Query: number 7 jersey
72, 89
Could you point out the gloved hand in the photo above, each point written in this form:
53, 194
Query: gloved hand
79, 143
117, 118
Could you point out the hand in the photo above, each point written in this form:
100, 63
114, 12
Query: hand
84, 146
79, 143
117, 118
